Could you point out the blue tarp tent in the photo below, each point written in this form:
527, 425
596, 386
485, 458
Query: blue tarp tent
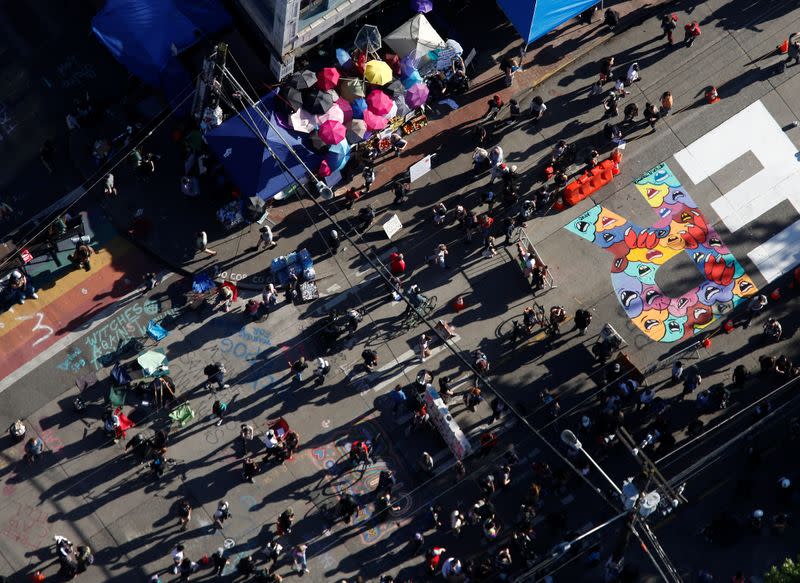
249, 164
535, 18
141, 34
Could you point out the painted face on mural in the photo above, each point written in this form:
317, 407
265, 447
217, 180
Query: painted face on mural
629, 293
681, 306
653, 323
674, 328
654, 299
608, 220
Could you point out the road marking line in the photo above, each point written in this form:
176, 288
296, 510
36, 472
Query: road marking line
68, 339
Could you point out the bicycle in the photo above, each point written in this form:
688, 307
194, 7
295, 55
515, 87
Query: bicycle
411, 318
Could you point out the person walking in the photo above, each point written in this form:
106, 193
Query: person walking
184, 513
368, 174
399, 400
666, 103
538, 107
669, 22
691, 32
218, 409
606, 66
370, 358
177, 558
633, 74
424, 346
582, 320
266, 238
426, 462
273, 552
218, 562
299, 557
201, 243
677, 371
756, 305
109, 189
793, 50
651, 115
631, 112
611, 105
297, 368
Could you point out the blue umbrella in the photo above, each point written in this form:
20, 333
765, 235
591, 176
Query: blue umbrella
408, 64
412, 79
359, 107
342, 56
202, 283
338, 155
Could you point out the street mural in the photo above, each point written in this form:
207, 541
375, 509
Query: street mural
640, 251
362, 483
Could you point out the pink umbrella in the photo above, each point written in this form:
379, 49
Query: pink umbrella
378, 102
347, 109
332, 132
416, 95
328, 78
324, 169
335, 113
374, 121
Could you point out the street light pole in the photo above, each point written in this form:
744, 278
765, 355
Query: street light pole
569, 438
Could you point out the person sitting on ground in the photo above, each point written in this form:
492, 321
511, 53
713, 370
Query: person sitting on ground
495, 104
370, 358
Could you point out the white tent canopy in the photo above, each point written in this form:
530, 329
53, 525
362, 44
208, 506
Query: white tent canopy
415, 36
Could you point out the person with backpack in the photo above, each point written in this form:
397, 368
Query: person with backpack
668, 25
216, 374
691, 32
582, 320
222, 514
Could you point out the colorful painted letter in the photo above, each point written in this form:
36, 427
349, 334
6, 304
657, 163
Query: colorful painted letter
639, 252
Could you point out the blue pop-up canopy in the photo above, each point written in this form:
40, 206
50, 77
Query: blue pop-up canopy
535, 18
248, 162
142, 34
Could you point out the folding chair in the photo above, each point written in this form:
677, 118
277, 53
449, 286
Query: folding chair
116, 396
155, 331
182, 414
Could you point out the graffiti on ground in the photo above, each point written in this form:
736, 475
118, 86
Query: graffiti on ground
639, 252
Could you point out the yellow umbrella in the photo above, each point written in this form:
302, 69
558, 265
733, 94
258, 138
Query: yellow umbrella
378, 72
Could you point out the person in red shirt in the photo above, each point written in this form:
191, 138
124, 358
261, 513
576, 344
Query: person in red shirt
434, 557
397, 265
691, 32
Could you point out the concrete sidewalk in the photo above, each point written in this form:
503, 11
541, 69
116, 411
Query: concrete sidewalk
168, 221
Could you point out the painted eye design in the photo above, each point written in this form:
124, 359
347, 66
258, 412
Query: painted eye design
618, 262
699, 312
674, 326
650, 295
644, 270
582, 226
648, 324
714, 242
682, 302
608, 237
627, 297
745, 286
698, 257
710, 292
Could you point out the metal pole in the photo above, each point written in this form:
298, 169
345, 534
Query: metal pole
599, 469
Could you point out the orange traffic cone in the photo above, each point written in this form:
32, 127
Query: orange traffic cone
706, 342
728, 326
775, 295
459, 304
37, 576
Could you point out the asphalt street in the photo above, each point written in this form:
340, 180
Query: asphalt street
87, 489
